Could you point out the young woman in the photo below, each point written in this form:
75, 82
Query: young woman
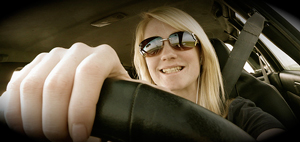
172, 52
197, 76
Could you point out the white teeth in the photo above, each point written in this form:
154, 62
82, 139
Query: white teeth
171, 70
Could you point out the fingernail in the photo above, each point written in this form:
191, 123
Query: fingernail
79, 132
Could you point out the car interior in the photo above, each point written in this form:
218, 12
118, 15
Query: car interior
31, 27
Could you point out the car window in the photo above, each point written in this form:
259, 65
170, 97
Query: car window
286, 61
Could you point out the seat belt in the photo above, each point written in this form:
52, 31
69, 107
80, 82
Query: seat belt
241, 51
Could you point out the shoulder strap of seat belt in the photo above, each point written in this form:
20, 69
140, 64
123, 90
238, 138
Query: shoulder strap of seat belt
241, 51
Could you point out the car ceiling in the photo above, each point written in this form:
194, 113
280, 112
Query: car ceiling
38, 26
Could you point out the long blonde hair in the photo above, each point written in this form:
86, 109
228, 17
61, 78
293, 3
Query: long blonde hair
211, 94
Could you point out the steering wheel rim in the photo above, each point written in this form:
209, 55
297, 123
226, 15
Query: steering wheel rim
130, 111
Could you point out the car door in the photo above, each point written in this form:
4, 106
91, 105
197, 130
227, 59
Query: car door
284, 74
278, 48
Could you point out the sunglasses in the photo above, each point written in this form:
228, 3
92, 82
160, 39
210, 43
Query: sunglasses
180, 41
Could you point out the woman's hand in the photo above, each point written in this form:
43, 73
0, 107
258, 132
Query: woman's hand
55, 95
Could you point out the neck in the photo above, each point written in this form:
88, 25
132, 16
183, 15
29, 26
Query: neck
189, 93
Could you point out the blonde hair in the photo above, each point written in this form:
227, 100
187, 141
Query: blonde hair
211, 94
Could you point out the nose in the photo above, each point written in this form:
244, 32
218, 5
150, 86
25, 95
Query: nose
168, 52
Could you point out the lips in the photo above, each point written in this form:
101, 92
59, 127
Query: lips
172, 69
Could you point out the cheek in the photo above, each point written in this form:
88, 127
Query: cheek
193, 59
152, 65
192, 55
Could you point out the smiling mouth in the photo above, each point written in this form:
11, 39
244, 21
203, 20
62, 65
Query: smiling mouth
171, 70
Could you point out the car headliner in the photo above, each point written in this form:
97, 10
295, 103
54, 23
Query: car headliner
39, 26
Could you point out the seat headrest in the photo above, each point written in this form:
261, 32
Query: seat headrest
221, 50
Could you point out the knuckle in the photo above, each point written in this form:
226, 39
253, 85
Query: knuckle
56, 53
105, 52
56, 83
57, 50
88, 105
87, 68
105, 48
79, 46
41, 55
13, 85
30, 84
99, 62
80, 49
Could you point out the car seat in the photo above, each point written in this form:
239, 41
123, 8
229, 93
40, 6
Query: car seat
264, 95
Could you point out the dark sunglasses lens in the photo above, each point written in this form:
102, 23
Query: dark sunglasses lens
182, 40
151, 46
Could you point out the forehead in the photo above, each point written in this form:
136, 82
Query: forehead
158, 28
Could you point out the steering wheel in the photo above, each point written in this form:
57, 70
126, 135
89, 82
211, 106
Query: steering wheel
131, 111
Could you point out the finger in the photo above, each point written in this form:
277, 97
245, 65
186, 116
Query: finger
3, 104
89, 78
31, 93
57, 90
93, 139
12, 112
